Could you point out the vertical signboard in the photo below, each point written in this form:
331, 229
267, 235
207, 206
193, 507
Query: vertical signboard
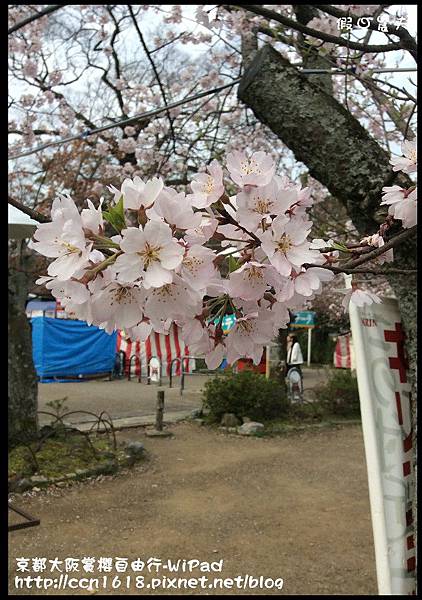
384, 394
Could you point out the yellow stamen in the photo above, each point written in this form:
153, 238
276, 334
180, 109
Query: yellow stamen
262, 205
249, 167
284, 243
208, 187
149, 254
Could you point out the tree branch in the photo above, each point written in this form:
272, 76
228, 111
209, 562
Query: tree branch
408, 43
29, 211
154, 68
129, 121
350, 266
395, 241
326, 37
37, 15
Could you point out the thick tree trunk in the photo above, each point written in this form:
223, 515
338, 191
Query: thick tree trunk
337, 151
340, 154
22, 385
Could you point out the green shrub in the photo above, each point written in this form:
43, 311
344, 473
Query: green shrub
246, 394
307, 412
340, 395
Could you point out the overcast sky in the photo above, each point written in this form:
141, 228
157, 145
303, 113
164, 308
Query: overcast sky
149, 20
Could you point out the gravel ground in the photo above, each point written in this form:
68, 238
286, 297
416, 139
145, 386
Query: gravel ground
294, 507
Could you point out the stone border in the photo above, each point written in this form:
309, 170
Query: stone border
285, 429
109, 467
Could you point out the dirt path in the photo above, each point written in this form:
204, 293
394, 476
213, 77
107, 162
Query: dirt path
292, 507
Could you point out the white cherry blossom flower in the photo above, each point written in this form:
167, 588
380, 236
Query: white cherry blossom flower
172, 301
257, 170
192, 330
407, 210
150, 253
248, 335
214, 357
281, 316
402, 204
65, 242
65, 291
161, 325
408, 162
119, 305
197, 267
217, 286
261, 202
285, 246
303, 198
64, 209
377, 241
250, 281
204, 344
92, 218
207, 187
140, 331
83, 310
309, 281
201, 233
318, 243
234, 233
392, 194
175, 209
137, 193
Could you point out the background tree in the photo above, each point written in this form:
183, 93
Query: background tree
83, 68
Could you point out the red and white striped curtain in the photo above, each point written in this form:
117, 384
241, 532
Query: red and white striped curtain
164, 347
342, 353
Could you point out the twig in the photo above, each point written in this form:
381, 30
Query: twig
28, 211
270, 14
37, 15
397, 239
408, 43
350, 267
154, 68
135, 119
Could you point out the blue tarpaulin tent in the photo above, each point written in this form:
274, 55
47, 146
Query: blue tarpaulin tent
64, 348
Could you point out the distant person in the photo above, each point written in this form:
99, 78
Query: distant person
294, 354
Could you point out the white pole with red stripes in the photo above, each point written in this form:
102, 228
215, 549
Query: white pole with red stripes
384, 394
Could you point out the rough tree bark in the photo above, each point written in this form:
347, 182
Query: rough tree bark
340, 154
22, 379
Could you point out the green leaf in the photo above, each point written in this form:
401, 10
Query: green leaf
115, 216
340, 246
233, 264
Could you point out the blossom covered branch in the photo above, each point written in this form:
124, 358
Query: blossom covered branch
162, 270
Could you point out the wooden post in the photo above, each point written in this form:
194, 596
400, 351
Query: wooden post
309, 345
160, 411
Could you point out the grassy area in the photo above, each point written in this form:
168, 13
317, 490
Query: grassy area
61, 454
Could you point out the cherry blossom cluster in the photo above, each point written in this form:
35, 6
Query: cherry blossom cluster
402, 206
44, 107
402, 202
190, 258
